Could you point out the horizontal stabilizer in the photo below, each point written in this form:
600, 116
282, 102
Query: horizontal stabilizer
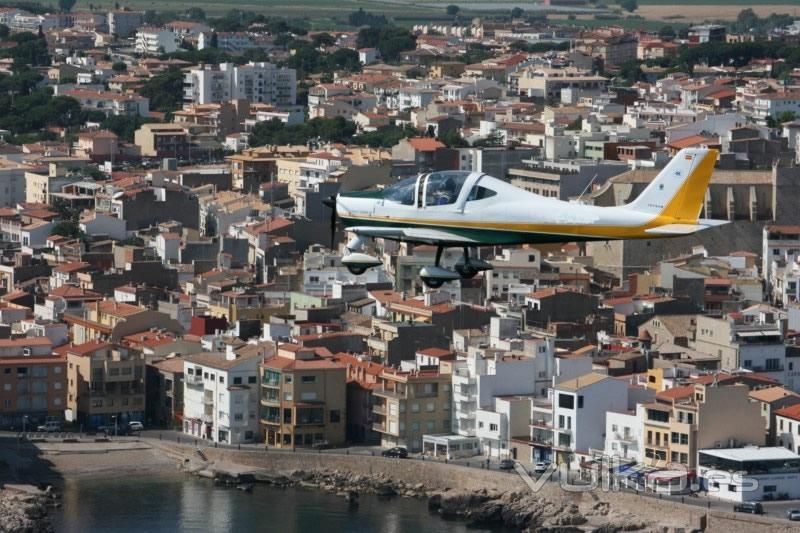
685, 229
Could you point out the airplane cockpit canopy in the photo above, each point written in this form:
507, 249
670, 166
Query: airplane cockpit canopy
440, 188
444, 187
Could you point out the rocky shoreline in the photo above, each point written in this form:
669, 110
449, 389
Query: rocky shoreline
25, 511
508, 509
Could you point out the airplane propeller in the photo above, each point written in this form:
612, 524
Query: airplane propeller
331, 202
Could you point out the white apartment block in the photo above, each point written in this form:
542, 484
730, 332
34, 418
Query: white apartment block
623, 433
777, 242
508, 417
257, 82
155, 41
487, 373
221, 395
579, 414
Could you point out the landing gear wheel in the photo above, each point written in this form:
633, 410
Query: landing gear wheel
356, 270
433, 283
466, 272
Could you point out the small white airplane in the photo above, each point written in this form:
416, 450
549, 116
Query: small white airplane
469, 209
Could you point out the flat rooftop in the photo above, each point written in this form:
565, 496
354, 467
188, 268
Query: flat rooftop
752, 453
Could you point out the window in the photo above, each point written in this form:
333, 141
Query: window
222, 379
443, 188
288, 378
415, 408
401, 192
336, 416
481, 193
251, 379
237, 417
580, 402
492, 427
566, 401
308, 379
237, 381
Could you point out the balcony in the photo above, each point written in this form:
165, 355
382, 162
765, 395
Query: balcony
207, 419
539, 423
625, 437
270, 401
271, 420
193, 380
387, 394
658, 446
208, 400
376, 344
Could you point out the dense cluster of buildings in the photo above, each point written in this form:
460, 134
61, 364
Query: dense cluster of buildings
207, 297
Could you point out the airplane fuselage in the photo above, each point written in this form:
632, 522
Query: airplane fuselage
511, 216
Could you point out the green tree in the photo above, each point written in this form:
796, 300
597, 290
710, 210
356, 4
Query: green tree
391, 41
164, 90
323, 39
384, 137
453, 10
4, 32
195, 13
629, 5
66, 5
119, 66
453, 139
517, 12
67, 228
576, 124
495, 138
124, 127
667, 33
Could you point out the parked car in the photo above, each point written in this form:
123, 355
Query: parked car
398, 451
135, 426
748, 507
507, 464
541, 467
793, 515
50, 427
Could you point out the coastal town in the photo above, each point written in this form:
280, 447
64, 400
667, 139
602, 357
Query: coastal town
171, 263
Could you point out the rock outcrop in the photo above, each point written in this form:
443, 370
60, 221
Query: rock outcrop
24, 512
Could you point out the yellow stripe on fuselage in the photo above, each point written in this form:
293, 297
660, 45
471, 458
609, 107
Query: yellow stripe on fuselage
683, 208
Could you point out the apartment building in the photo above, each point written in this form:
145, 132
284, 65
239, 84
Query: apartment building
411, 404
164, 386
303, 398
33, 382
579, 408
753, 341
501, 424
787, 428
623, 436
545, 82
163, 140
123, 23
259, 82
487, 373
111, 103
106, 384
155, 41
685, 419
778, 241
220, 396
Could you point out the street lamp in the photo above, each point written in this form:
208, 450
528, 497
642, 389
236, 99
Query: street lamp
24, 422
114, 418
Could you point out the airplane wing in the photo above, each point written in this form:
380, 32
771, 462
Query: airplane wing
685, 229
420, 235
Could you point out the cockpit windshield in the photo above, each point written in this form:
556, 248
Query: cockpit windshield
444, 187
401, 192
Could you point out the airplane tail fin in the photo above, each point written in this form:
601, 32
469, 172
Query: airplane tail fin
679, 189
